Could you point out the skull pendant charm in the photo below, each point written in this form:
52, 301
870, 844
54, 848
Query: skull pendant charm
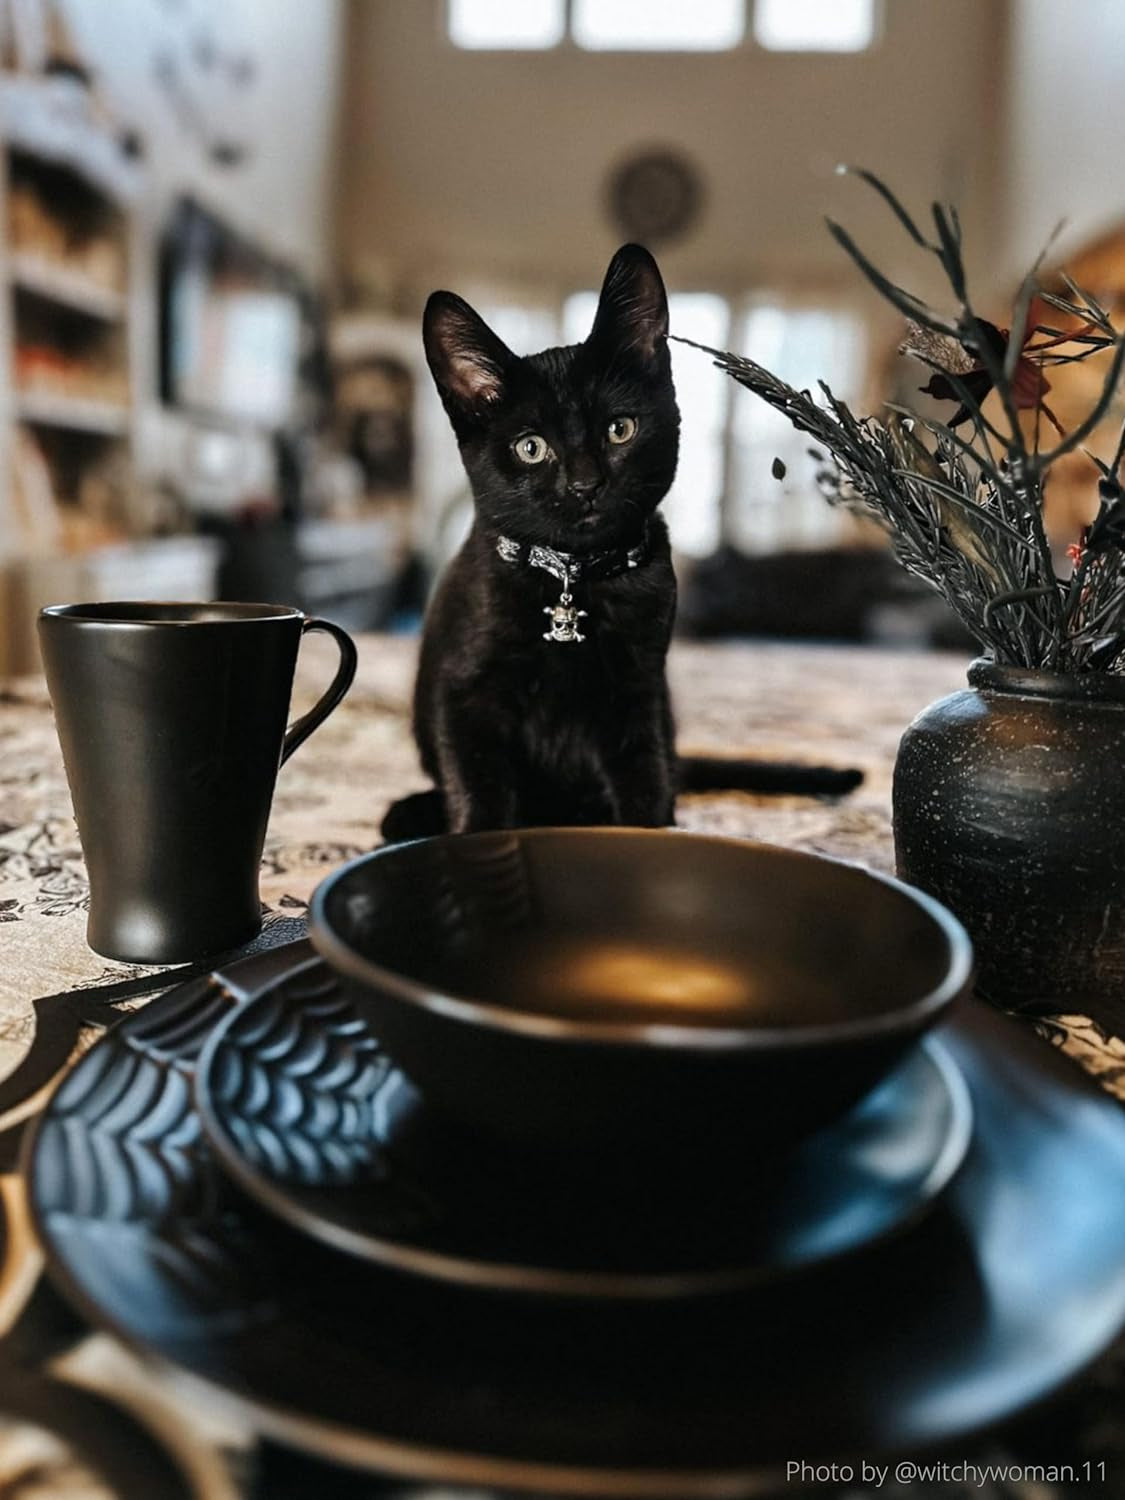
564, 621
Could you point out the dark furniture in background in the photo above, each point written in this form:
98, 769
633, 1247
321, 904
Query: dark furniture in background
834, 594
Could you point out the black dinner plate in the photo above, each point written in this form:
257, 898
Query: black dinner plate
1010, 1285
314, 1121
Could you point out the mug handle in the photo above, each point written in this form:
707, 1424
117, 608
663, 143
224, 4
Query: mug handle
298, 732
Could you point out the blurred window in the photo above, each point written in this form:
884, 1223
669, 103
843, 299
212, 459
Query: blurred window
657, 25
694, 505
803, 344
524, 326
662, 25
814, 25
578, 316
503, 24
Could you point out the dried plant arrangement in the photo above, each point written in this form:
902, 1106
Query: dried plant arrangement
962, 500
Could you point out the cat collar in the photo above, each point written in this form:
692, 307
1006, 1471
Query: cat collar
569, 569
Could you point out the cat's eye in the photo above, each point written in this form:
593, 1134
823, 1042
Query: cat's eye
622, 430
531, 448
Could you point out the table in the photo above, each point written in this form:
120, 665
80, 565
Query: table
833, 705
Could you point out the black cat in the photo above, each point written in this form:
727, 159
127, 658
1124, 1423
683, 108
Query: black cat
541, 695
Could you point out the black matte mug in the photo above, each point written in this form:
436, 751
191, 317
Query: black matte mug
172, 720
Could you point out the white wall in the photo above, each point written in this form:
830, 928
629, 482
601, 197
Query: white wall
1065, 124
479, 164
282, 193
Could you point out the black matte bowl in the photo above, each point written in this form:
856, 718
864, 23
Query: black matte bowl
574, 986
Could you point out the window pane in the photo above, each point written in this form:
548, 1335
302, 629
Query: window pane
506, 23
657, 25
578, 316
803, 345
814, 25
524, 327
692, 508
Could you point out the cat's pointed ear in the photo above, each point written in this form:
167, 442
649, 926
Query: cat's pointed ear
467, 360
633, 307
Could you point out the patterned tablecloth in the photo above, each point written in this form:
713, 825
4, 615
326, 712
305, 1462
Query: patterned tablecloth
841, 706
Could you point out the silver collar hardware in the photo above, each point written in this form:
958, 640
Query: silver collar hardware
568, 569
564, 620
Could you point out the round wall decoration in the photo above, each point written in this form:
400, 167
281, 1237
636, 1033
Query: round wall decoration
655, 196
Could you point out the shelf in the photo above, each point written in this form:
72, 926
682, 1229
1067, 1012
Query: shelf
53, 119
73, 413
34, 273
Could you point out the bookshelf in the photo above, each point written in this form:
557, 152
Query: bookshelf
77, 368
69, 268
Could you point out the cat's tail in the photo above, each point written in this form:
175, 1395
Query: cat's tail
422, 814
706, 773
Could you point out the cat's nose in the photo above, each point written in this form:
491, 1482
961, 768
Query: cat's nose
584, 486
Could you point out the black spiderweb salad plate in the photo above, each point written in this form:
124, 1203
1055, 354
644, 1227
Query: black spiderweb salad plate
1012, 1283
311, 1118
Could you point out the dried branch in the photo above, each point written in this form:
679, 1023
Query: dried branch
965, 515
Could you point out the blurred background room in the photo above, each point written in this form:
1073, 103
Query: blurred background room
220, 219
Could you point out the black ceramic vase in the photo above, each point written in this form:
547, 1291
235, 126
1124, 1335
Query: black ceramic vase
1009, 807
